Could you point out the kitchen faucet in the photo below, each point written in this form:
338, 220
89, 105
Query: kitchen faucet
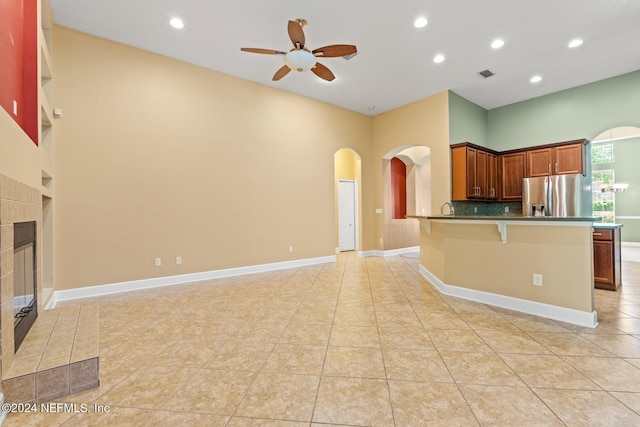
451, 209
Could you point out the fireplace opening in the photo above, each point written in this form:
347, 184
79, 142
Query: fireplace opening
25, 304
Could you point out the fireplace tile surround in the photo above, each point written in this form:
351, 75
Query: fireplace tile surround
18, 203
60, 355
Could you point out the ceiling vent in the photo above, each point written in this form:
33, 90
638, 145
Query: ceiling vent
486, 74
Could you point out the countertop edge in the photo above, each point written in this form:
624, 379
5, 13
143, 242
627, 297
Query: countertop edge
508, 218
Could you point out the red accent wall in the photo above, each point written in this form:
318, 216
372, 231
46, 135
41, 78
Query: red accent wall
19, 62
398, 189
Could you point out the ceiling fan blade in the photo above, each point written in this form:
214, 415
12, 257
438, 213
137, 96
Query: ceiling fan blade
281, 73
296, 34
323, 72
335, 50
263, 51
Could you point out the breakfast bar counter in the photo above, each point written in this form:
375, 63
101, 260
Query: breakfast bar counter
535, 265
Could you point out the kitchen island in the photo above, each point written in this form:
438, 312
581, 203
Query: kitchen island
535, 265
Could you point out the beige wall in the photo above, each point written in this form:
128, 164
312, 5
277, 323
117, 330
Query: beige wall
424, 122
473, 256
20, 158
159, 158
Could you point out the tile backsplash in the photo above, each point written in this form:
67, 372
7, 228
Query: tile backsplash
488, 208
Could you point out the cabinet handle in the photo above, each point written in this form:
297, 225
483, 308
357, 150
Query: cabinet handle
549, 168
556, 168
597, 234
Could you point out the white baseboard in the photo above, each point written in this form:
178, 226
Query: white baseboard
134, 285
568, 315
630, 244
391, 252
401, 251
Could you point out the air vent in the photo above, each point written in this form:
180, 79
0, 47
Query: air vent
486, 74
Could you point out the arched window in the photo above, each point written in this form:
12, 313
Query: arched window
614, 155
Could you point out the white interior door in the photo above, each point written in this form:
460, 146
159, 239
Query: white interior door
346, 215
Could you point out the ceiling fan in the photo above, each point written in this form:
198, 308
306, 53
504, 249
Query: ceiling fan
300, 58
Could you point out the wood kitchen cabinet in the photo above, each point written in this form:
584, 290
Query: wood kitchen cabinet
512, 172
492, 176
606, 258
473, 173
479, 173
559, 160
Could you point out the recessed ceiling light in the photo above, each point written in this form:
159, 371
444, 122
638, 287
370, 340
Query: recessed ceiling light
575, 43
176, 23
420, 22
372, 107
535, 79
438, 58
497, 43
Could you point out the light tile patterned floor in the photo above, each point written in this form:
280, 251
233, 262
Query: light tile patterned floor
364, 341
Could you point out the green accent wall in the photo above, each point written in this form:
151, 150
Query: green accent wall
626, 154
581, 112
467, 121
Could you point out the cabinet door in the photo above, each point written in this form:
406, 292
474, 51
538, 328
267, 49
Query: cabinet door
481, 175
459, 173
512, 174
603, 264
568, 159
539, 162
472, 188
492, 176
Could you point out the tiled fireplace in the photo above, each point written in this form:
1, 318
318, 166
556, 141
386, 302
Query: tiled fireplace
19, 203
60, 353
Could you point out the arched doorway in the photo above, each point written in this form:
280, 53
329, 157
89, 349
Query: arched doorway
402, 233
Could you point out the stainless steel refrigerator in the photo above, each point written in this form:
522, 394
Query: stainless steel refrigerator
557, 195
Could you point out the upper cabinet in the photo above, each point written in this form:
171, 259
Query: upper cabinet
558, 160
477, 173
513, 165
474, 174
492, 176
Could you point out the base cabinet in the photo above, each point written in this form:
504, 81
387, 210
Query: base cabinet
606, 258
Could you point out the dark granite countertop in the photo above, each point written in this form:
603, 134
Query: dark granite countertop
510, 218
606, 225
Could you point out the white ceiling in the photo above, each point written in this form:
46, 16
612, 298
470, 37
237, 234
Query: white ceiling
394, 65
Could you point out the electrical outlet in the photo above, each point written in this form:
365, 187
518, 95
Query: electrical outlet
380, 241
475, 209
178, 260
290, 248
537, 280
506, 208
158, 262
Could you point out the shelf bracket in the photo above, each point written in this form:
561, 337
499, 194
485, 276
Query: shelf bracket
502, 229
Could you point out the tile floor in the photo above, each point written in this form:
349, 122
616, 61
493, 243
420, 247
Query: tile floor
363, 341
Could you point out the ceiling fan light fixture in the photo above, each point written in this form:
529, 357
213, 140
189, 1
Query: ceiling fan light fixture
300, 60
